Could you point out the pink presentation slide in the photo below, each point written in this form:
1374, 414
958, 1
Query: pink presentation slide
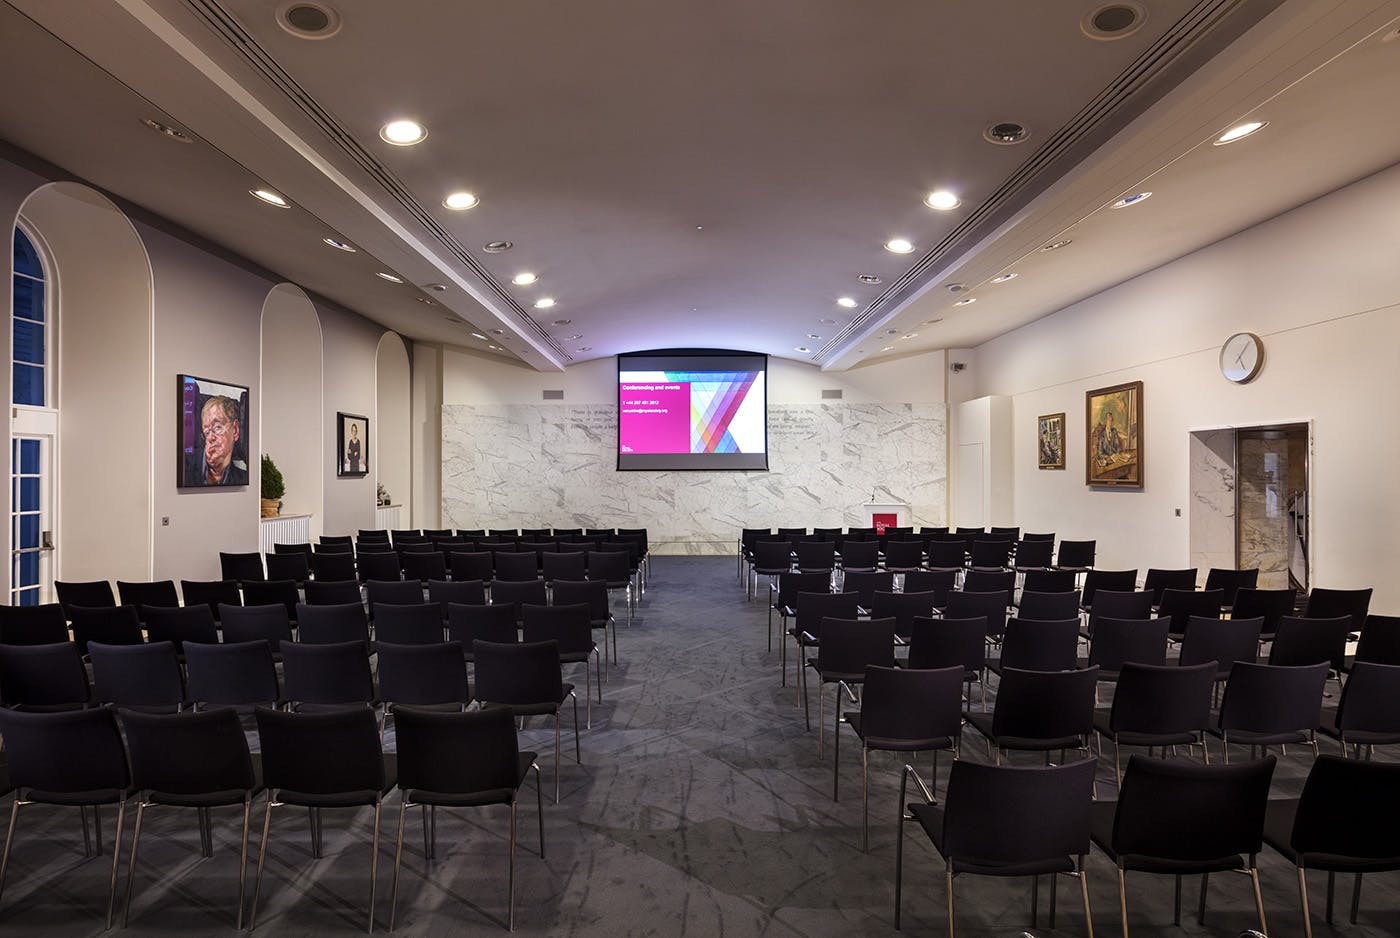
655, 417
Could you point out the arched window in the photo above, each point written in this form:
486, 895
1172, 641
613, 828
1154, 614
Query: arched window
30, 332
31, 436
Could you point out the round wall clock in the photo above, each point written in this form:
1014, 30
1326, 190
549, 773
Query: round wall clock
1241, 357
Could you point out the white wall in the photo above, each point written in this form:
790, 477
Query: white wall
393, 444
349, 348
293, 433
1321, 285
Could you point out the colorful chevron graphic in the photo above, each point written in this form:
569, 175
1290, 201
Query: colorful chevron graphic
714, 400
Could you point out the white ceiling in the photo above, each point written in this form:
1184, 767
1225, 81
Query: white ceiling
698, 174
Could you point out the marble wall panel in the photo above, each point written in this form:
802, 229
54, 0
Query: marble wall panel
1212, 475
514, 465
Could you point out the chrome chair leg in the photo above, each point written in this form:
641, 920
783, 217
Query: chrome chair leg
87, 836
1303, 897
1201, 912
1258, 899
1123, 899
398, 859
262, 855
865, 798
1355, 897
510, 887
374, 862
1084, 891
243, 859
10, 839
116, 860
539, 805
951, 929
556, 755
131, 864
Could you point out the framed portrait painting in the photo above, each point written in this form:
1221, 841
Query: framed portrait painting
1113, 436
352, 445
213, 433
1050, 441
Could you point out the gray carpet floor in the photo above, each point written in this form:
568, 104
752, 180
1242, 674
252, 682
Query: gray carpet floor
701, 808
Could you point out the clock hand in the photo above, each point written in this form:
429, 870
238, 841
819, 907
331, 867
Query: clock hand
1240, 359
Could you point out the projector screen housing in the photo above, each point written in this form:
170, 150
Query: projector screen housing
692, 409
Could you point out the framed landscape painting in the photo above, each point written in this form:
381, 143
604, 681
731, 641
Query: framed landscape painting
1113, 436
1050, 441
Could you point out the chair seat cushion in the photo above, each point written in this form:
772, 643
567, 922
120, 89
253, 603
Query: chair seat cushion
1278, 833
930, 818
1131, 738
77, 798
1249, 738
982, 722
895, 744
1359, 737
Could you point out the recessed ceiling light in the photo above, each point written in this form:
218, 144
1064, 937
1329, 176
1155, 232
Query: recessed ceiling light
899, 246
1240, 131
888, 348
340, 245
308, 20
523, 279
869, 278
585, 348
179, 136
426, 302
847, 302
403, 133
943, 200
544, 302
1113, 20
460, 201
1056, 245
270, 197
966, 301
1002, 278
1133, 199
1006, 133
573, 338
478, 335
813, 335
891, 332
494, 348
827, 322
561, 322
436, 287
498, 332
930, 322
803, 349
389, 277
497, 247
910, 335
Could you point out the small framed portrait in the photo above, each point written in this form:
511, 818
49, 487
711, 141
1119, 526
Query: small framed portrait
352, 445
213, 433
1113, 436
1050, 441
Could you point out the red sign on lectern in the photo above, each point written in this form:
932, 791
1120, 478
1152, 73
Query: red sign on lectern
882, 521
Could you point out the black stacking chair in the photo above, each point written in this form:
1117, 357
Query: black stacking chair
1049, 607
457, 760
1158, 580
294, 567
332, 592
1308, 641
813, 556
983, 580
232, 674
907, 711
990, 554
1158, 706
138, 677
317, 761
1035, 555
194, 760
965, 605
1271, 705
93, 593
273, 592
179, 625
423, 676
784, 599
446, 592
516, 594
335, 540
1271, 605
811, 610
110, 625
424, 567
938, 582
848, 647
147, 593
859, 556
1344, 822
333, 567
331, 676
904, 556
1117, 581
394, 592
269, 623
747, 537
771, 559
865, 583
406, 535
1010, 534
1369, 713
69, 759
43, 677
944, 643
471, 565
468, 623
611, 568
594, 594
571, 565
1039, 711
515, 567
1117, 642
304, 548
378, 566
1179, 606
412, 624
1050, 581
903, 608
1329, 603
1223, 641
1112, 604
1039, 645
44, 624
1379, 642
1076, 555
1230, 582
1179, 818
1005, 821
340, 546
570, 627
241, 566
525, 679
947, 554
211, 593
333, 624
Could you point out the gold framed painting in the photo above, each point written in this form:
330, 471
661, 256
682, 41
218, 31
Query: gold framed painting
1113, 436
1050, 441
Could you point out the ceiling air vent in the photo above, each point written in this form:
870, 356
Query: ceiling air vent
831, 394
308, 20
1114, 20
553, 395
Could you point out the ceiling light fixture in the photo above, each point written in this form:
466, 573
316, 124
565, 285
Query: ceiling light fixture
308, 20
942, 200
561, 322
478, 335
425, 301
1240, 131
270, 197
1006, 133
910, 335
847, 302
1056, 245
899, 246
340, 245
494, 348
803, 349
888, 348
930, 322
573, 338
403, 133
544, 302
827, 322
585, 348
498, 332
966, 301
523, 279
389, 277
460, 201
497, 247
179, 136
1133, 199
1002, 278
869, 278
813, 335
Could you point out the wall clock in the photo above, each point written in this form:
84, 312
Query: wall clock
1241, 357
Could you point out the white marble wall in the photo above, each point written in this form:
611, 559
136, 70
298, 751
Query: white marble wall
537, 465
1212, 454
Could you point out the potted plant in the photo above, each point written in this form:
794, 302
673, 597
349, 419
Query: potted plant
381, 497
273, 488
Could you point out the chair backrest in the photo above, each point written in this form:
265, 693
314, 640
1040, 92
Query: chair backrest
269, 592
336, 673
865, 584
1229, 581
569, 625
411, 624
332, 592
904, 608
335, 539
1119, 641
68, 752
1044, 704
393, 592
1076, 555
1116, 604
384, 566
1180, 605
792, 583
943, 643
813, 608
859, 555
1223, 641
519, 674
849, 646
470, 622
1272, 605
1001, 814
1049, 581
516, 567
250, 623
516, 594
88, 593
111, 625
332, 624
137, 675
1268, 698
912, 706
335, 752
1118, 581
610, 566
43, 676
570, 565
423, 675
816, 555
592, 592
147, 593
195, 753
212, 593
1308, 641
445, 592
1347, 809
1370, 699
947, 554
243, 566
333, 567
990, 554
1049, 606
44, 624
985, 581
333, 546
457, 753
771, 556
1034, 554
295, 567
424, 566
1380, 640
939, 582
904, 555
1326, 603
965, 605
471, 565
1157, 580
232, 673
1162, 699
1041, 644
180, 624
1172, 809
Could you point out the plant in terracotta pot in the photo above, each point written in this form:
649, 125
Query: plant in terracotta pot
273, 488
